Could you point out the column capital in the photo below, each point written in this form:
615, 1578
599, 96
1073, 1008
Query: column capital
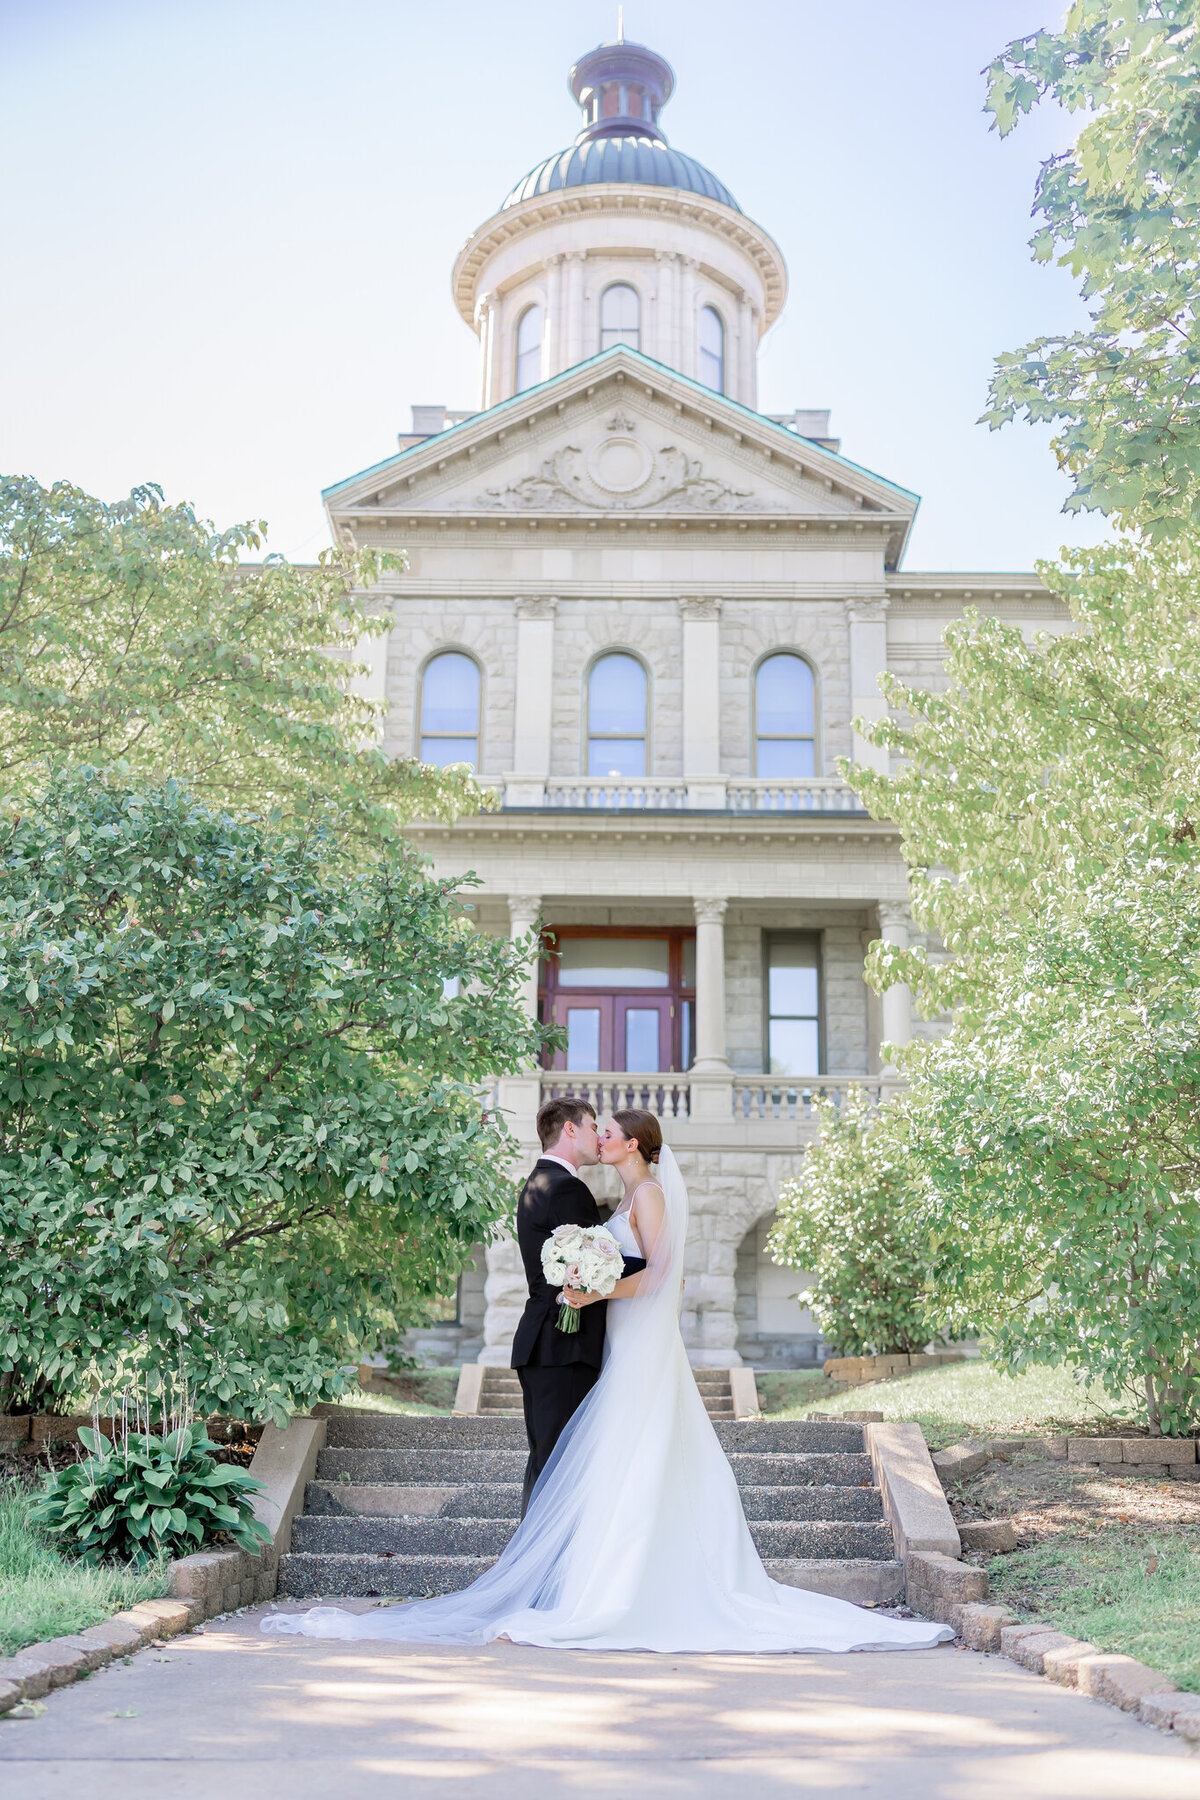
700, 606
523, 910
709, 909
575, 256
535, 606
894, 915
868, 609
556, 256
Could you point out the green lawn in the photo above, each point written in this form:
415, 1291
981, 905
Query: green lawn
415, 1391
1137, 1596
961, 1400
43, 1594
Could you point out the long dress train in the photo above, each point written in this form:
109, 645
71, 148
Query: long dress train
635, 1537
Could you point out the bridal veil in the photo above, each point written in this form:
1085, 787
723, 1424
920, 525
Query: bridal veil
635, 1537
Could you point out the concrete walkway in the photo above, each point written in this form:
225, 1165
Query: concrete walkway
236, 1714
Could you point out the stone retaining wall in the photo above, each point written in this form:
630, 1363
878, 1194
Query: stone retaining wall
1177, 1457
851, 1370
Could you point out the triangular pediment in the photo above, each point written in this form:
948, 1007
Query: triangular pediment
620, 437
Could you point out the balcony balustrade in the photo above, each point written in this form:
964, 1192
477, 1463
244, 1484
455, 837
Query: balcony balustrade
656, 793
669, 1096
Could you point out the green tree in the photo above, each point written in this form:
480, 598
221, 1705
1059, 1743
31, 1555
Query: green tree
136, 633
243, 1131
1121, 210
1049, 803
849, 1219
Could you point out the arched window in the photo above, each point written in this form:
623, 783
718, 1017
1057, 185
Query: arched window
620, 312
712, 349
785, 717
616, 743
450, 710
529, 348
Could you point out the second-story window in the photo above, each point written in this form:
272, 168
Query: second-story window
616, 722
712, 349
620, 316
793, 998
450, 710
785, 717
529, 349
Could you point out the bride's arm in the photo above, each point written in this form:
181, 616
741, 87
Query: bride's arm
651, 1217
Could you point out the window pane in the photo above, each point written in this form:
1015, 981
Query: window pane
685, 1034
784, 697
792, 985
785, 758
712, 349
583, 1038
529, 348
613, 962
617, 697
616, 756
619, 310
442, 751
450, 695
792, 1047
641, 1038
689, 962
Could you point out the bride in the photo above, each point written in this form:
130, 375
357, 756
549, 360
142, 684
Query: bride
635, 1537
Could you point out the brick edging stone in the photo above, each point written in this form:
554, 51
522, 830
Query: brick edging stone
205, 1585
1176, 1456
956, 1593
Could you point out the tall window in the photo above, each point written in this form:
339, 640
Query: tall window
450, 710
529, 348
793, 1004
620, 311
785, 717
616, 743
712, 349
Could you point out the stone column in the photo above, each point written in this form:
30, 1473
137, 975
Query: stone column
664, 348
687, 317
485, 325
746, 360
868, 660
573, 322
526, 785
372, 653
711, 1086
556, 348
701, 622
894, 924
505, 1290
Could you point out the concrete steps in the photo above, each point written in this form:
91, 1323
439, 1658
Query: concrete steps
408, 1506
500, 1394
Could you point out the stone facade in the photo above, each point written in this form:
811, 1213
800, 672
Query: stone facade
620, 504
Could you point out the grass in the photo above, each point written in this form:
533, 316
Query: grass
415, 1392
961, 1400
1140, 1597
44, 1594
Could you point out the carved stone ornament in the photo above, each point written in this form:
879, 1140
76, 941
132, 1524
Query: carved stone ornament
867, 611
709, 909
536, 606
619, 474
706, 607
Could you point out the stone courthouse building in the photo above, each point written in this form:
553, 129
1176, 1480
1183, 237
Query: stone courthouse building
648, 614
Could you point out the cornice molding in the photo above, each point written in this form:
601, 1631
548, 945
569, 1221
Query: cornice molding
617, 200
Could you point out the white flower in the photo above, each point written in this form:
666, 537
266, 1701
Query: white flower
590, 1256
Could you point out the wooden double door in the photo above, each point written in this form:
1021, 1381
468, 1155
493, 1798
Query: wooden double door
630, 1026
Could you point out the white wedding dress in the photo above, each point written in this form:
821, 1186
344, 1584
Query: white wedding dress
635, 1537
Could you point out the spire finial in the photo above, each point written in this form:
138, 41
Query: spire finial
620, 24
622, 88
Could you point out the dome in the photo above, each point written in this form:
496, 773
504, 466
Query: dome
621, 88
644, 161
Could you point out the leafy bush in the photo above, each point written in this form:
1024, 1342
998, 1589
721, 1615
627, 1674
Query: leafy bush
849, 1220
244, 1133
44, 1593
149, 1497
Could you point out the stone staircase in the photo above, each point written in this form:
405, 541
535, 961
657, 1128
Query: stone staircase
500, 1395
407, 1506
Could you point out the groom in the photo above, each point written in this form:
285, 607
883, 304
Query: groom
556, 1369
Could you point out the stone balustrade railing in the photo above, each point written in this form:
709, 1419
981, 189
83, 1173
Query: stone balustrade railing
657, 793
669, 1096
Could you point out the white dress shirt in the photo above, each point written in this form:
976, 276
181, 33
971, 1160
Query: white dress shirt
562, 1163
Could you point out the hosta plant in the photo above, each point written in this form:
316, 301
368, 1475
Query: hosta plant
148, 1497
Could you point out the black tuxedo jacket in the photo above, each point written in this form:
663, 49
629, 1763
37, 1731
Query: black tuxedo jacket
551, 1197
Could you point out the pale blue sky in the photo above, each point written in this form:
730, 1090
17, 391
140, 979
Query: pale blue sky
230, 226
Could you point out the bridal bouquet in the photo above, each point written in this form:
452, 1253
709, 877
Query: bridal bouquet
587, 1257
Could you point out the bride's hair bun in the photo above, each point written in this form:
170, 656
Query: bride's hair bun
644, 1127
